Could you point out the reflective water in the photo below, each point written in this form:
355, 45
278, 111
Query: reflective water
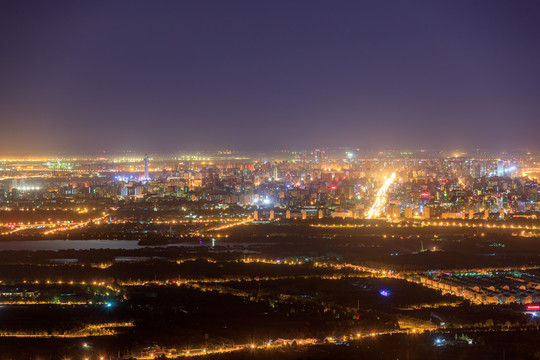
70, 244
55, 245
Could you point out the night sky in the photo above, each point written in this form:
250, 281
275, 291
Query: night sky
166, 76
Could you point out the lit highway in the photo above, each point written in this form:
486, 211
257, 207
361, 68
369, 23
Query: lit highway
271, 345
380, 200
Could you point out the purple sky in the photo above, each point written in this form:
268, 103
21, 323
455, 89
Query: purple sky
164, 76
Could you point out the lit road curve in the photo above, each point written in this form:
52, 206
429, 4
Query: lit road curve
380, 200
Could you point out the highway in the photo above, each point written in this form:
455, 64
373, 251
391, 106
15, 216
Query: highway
380, 199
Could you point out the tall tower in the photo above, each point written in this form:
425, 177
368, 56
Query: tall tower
500, 168
146, 171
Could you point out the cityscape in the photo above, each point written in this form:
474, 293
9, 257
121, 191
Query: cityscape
146, 256
269, 180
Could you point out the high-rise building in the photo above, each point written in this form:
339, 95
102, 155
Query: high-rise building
319, 155
275, 173
500, 168
408, 212
426, 212
146, 168
393, 212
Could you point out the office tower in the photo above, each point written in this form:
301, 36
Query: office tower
319, 155
500, 168
483, 171
146, 169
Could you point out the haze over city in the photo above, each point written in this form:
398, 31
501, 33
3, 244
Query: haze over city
250, 75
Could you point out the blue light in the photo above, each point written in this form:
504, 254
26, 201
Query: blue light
122, 178
384, 292
439, 342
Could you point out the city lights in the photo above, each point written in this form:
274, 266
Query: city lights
269, 180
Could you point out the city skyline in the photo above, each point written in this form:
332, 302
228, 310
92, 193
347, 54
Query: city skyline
256, 76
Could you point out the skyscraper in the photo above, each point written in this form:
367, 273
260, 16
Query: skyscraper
275, 173
319, 155
146, 171
500, 168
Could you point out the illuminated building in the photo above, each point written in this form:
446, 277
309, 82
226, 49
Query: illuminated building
500, 168
426, 213
319, 156
393, 212
146, 169
408, 212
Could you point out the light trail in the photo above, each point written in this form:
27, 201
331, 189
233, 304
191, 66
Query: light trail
106, 329
380, 200
228, 226
203, 352
20, 177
